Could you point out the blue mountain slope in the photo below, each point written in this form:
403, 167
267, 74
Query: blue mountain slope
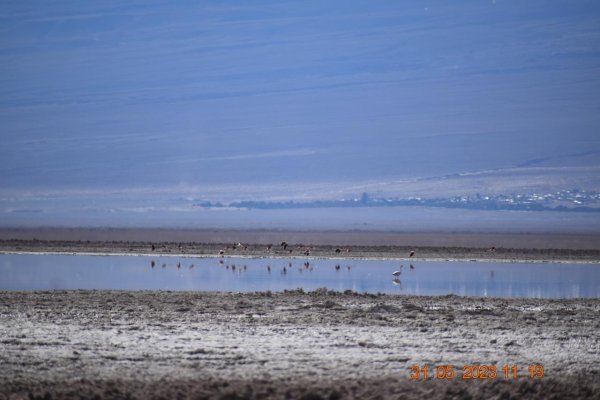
98, 95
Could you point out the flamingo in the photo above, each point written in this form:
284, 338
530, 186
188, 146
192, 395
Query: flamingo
397, 273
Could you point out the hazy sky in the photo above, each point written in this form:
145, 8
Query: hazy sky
141, 93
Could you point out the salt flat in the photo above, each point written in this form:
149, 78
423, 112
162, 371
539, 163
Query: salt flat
82, 344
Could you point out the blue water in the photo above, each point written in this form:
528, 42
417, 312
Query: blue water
529, 280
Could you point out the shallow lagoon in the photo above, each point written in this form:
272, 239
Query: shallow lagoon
464, 278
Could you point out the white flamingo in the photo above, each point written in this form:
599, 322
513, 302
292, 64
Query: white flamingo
397, 273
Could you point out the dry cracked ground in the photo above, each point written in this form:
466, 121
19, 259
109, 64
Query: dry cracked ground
317, 345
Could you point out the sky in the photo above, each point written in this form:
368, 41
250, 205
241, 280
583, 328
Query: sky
276, 96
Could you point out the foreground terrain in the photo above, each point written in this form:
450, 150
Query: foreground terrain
317, 345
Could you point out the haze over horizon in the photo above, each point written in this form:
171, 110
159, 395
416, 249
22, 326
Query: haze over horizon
109, 103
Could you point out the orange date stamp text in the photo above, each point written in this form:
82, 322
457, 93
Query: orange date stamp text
475, 372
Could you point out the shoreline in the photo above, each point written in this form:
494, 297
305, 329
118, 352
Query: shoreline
255, 247
297, 257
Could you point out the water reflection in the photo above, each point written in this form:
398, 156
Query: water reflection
42, 272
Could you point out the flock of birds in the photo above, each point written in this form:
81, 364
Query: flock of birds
307, 266
284, 248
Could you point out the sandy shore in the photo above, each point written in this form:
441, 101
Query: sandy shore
296, 249
318, 345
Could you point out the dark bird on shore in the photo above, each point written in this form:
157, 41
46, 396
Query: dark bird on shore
412, 253
284, 245
221, 252
153, 247
338, 251
307, 252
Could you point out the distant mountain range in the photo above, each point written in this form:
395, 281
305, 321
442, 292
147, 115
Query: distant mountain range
566, 200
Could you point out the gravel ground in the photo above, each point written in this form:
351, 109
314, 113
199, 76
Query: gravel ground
317, 345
